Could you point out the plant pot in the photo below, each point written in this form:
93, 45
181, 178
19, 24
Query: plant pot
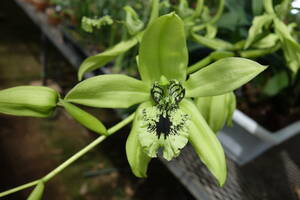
247, 139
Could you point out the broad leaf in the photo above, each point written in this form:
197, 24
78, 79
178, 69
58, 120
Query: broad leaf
163, 50
222, 76
99, 60
34, 101
138, 160
109, 91
38, 192
84, 118
205, 142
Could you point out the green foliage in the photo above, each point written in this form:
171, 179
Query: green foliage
132, 21
276, 83
88, 24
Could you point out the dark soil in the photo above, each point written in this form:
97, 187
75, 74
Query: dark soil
272, 113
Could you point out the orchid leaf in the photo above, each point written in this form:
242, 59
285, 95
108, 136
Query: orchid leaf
109, 91
222, 76
33, 101
38, 192
205, 142
257, 27
161, 54
99, 60
137, 158
84, 118
133, 22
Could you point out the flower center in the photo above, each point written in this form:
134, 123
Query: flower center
167, 98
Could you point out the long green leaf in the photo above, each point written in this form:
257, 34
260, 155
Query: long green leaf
84, 118
222, 76
34, 101
138, 160
99, 60
205, 142
163, 50
109, 91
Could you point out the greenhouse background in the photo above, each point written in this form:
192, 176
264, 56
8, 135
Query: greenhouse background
55, 153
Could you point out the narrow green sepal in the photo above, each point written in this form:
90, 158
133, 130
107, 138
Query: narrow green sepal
84, 118
205, 142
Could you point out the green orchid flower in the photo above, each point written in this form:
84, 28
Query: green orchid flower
167, 118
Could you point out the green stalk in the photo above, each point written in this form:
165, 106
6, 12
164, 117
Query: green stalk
200, 64
198, 9
268, 5
154, 11
219, 13
22, 187
72, 159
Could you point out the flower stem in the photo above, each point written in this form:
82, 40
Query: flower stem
16, 189
72, 159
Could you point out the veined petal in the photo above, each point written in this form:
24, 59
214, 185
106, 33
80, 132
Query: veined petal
109, 91
138, 160
222, 76
205, 142
163, 50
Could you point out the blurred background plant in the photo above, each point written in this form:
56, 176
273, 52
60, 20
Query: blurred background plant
267, 31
